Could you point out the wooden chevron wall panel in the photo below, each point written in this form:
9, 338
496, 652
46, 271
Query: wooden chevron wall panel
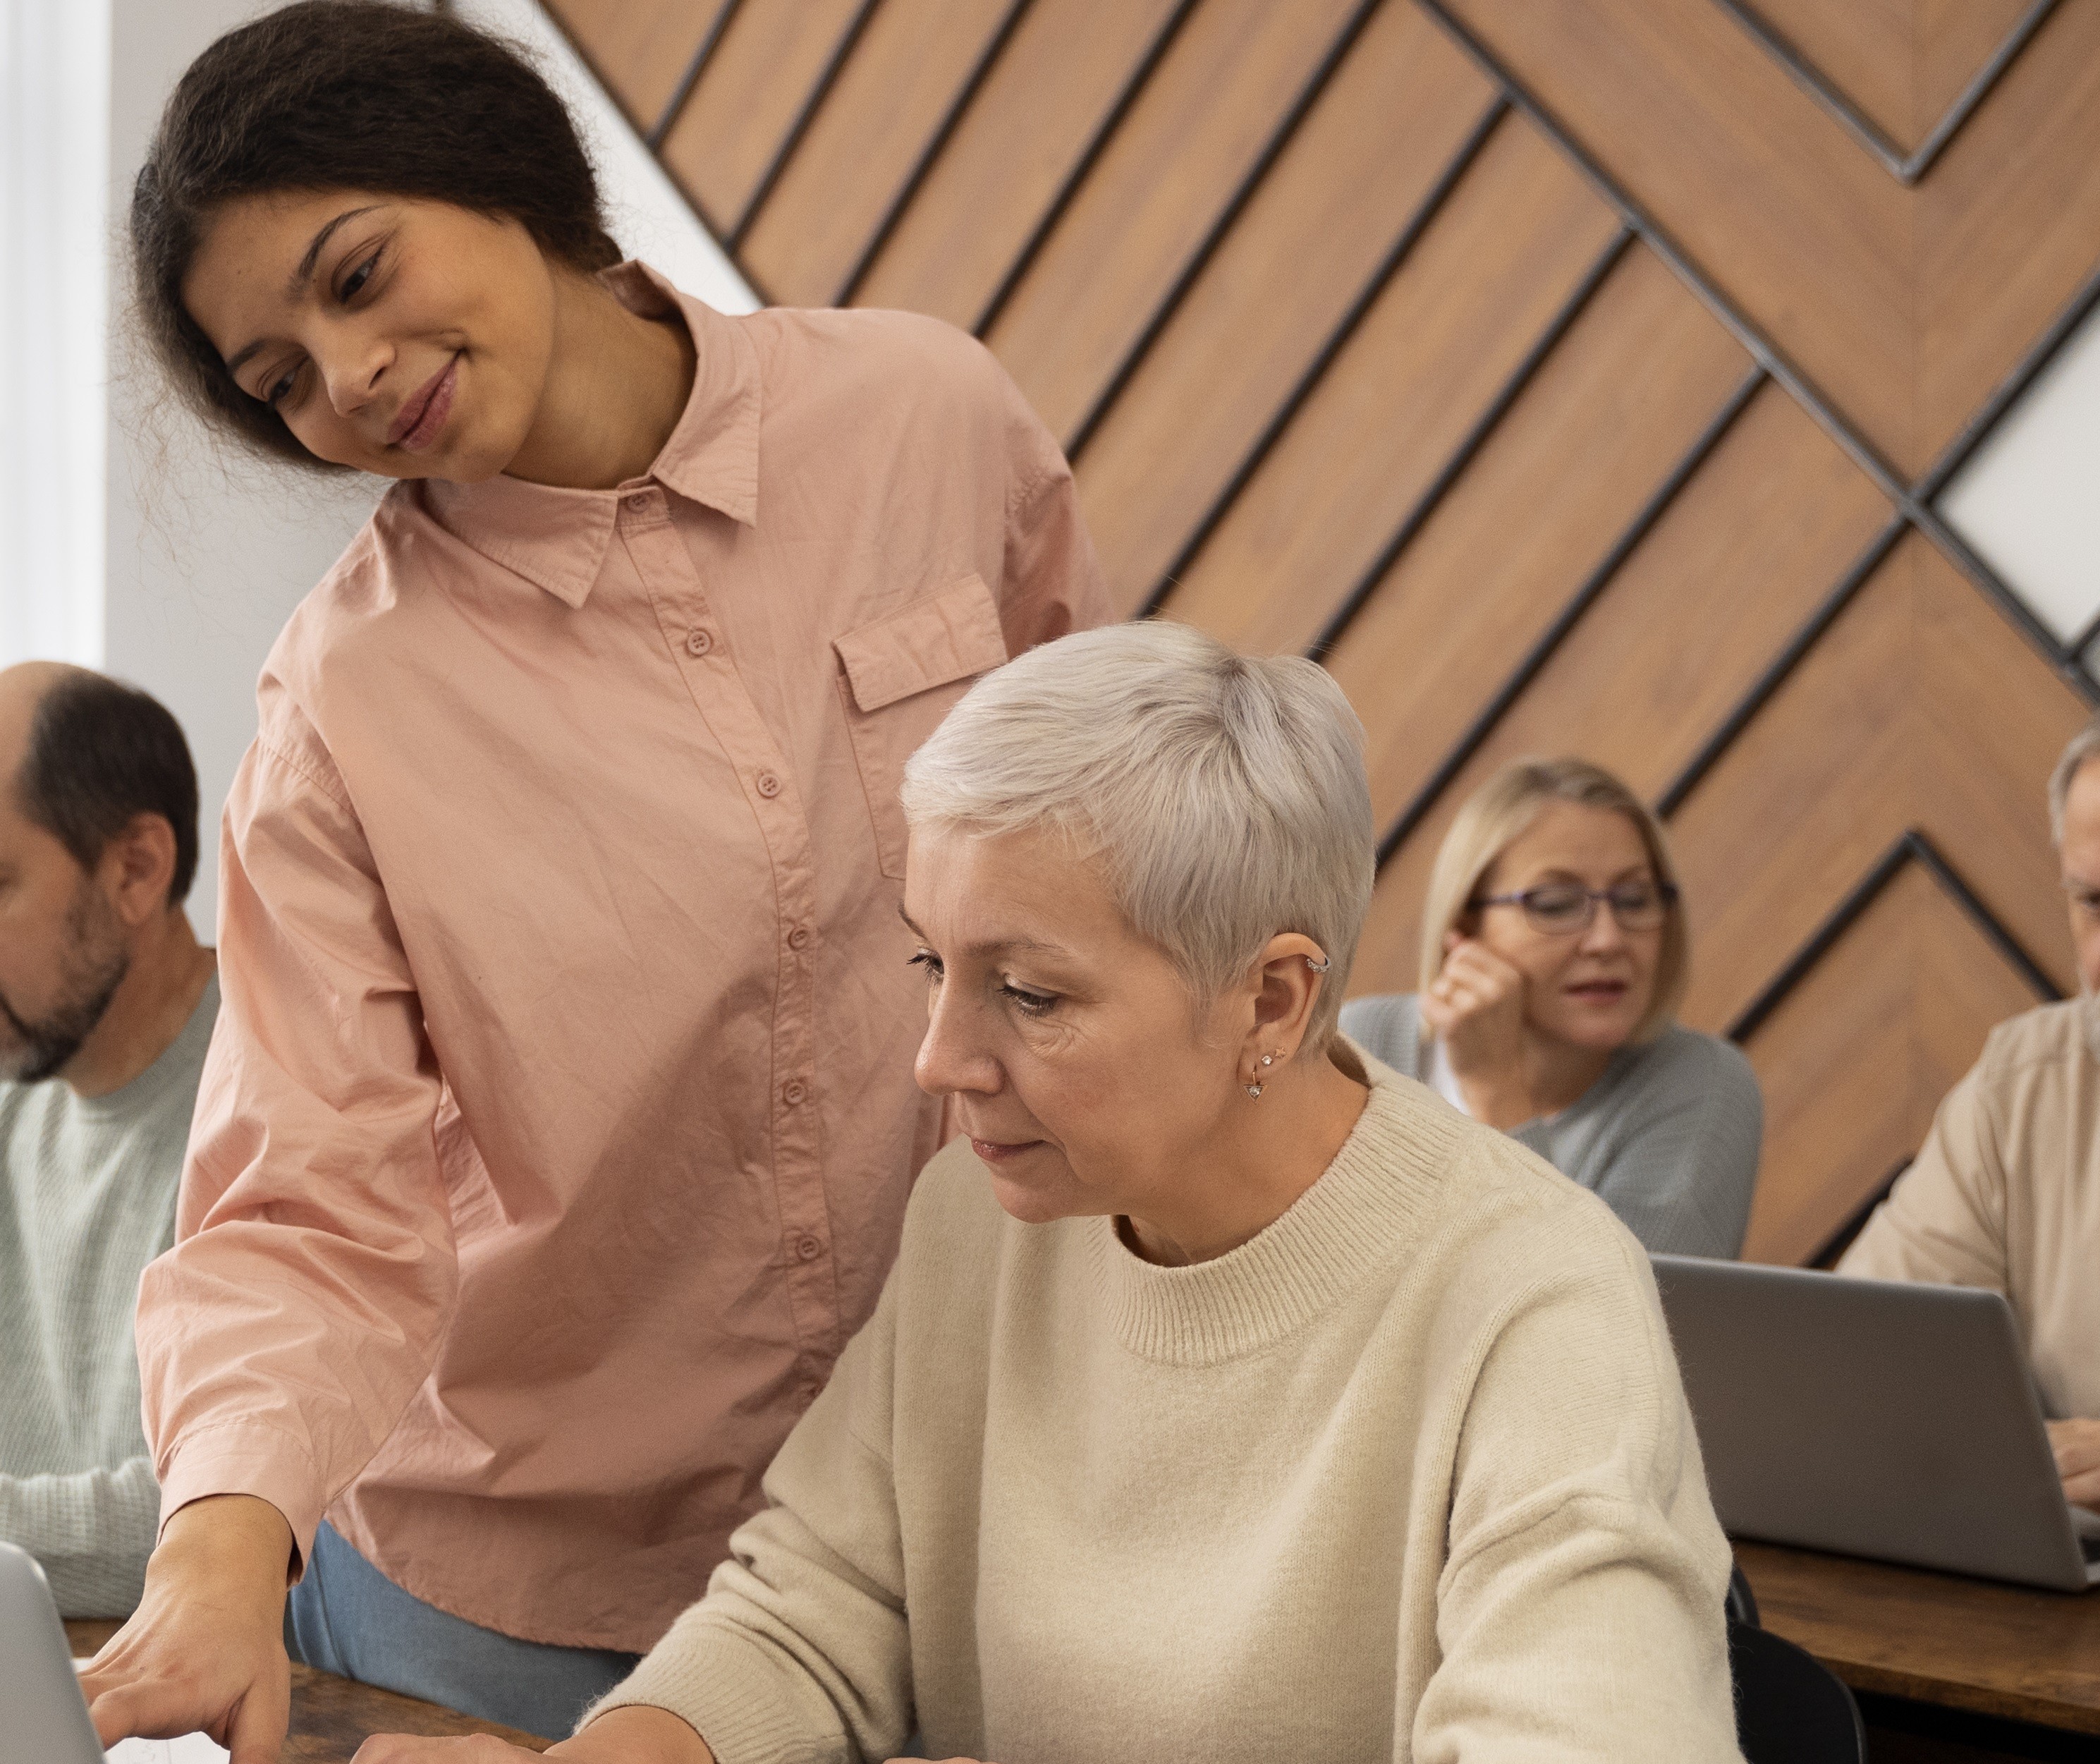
1566, 375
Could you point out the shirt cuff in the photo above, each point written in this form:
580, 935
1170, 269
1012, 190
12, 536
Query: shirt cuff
247, 1458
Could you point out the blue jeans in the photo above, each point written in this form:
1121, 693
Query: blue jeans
347, 1617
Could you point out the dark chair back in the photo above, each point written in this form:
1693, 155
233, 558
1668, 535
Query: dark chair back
1742, 1603
1790, 1708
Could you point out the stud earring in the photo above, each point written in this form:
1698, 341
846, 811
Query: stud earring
1268, 1059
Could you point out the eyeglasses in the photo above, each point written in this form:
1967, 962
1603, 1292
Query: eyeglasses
1562, 909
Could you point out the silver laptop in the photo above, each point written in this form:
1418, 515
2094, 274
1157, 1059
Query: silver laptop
1873, 1417
43, 1718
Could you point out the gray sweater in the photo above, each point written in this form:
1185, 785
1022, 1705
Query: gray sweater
1667, 1138
87, 1199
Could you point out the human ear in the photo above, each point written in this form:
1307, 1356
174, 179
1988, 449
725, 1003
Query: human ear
1287, 979
137, 866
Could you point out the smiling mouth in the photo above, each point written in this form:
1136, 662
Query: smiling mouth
418, 422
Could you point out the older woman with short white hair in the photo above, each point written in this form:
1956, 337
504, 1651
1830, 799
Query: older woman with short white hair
1230, 1398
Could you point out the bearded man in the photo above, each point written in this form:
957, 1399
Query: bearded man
106, 1005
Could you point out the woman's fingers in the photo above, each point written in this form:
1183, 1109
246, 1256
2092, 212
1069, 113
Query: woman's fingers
1473, 963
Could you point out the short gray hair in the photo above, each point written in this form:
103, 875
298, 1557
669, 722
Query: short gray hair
1225, 795
2084, 746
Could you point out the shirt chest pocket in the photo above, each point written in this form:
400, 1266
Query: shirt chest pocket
897, 678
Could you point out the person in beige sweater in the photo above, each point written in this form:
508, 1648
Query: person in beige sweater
2006, 1192
1232, 1397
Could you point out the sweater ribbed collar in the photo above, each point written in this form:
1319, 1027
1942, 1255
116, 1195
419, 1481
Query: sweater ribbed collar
182, 1059
1364, 1213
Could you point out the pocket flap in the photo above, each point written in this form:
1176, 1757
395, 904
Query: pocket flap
937, 638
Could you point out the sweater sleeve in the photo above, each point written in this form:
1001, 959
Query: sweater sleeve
1579, 1612
801, 1649
91, 1531
1679, 1165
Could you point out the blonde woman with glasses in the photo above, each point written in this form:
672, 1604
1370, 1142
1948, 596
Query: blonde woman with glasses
1554, 956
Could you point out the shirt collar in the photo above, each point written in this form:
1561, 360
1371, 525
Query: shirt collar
556, 538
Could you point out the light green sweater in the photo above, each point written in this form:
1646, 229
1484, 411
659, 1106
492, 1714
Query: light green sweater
87, 1198
1409, 1475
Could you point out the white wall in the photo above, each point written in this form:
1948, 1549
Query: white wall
54, 167
207, 553
2029, 498
172, 562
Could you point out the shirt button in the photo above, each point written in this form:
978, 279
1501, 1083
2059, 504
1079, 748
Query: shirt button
808, 1248
698, 643
638, 503
768, 786
793, 1091
799, 938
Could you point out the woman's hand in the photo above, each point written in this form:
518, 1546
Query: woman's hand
636, 1734
1476, 1006
2076, 1445
205, 1649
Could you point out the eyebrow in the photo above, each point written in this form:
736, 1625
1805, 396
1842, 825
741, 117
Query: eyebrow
1000, 942
300, 277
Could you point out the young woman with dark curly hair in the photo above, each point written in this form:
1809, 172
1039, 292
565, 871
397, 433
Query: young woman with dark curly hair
557, 1130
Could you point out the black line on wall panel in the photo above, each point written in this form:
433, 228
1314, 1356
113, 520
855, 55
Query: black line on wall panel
1825, 1254
1133, 88
2087, 632
1470, 444
1782, 666
1839, 920
1906, 167
1862, 452
583, 54
922, 167
1585, 595
2007, 393
1978, 89
2063, 663
1911, 846
842, 53
1338, 338
687, 81
1994, 929
1221, 225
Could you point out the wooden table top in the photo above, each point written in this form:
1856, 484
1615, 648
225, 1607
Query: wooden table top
332, 1717
2007, 1651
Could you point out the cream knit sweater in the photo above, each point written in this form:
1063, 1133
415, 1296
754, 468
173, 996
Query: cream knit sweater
1409, 1475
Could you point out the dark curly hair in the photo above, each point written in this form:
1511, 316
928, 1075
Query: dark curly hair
361, 95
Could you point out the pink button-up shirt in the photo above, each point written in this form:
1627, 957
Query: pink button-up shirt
558, 1128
